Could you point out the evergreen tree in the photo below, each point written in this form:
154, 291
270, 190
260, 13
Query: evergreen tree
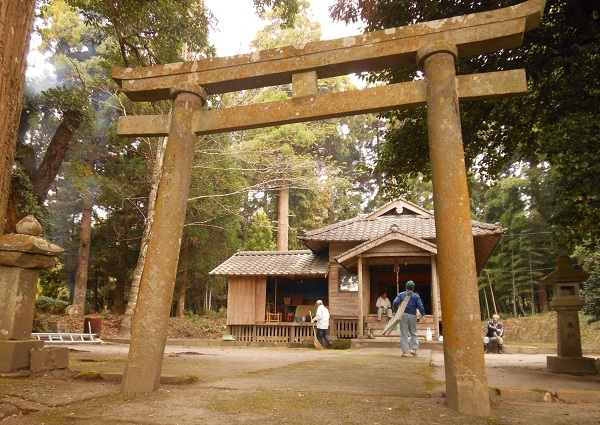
591, 289
260, 234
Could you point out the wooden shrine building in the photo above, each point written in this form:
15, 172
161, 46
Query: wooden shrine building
269, 293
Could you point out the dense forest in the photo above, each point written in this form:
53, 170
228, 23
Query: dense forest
533, 161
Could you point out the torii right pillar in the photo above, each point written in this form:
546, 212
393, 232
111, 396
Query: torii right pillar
466, 379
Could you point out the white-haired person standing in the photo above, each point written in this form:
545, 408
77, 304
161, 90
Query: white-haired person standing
322, 319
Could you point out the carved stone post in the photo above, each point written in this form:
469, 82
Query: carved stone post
22, 256
150, 322
565, 281
466, 379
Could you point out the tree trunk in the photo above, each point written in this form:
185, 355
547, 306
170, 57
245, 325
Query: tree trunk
121, 280
125, 328
283, 219
83, 256
43, 177
543, 297
16, 20
182, 284
58, 147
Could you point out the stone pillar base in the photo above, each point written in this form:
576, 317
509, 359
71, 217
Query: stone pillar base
49, 358
16, 355
572, 365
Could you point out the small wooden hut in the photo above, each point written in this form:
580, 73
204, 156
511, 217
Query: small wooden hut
347, 265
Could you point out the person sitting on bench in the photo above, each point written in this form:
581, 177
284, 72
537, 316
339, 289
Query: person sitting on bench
384, 305
495, 332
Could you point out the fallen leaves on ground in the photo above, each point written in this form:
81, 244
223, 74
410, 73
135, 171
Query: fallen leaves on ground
197, 327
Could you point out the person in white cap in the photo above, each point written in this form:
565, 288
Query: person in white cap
322, 319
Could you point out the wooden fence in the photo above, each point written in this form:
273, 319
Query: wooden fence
291, 332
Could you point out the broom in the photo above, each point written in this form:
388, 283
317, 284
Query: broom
318, 345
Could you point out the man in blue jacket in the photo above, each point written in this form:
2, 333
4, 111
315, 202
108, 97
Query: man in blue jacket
408, 322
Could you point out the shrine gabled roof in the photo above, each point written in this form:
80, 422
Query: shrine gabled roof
274, 263
393, 234
361, 229
406, 217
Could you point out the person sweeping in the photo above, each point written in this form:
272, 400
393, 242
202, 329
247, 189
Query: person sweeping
322, 319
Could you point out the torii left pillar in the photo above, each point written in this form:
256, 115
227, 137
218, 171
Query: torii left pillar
150, 322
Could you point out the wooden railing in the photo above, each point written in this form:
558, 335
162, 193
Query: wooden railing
272, 332
291, 332
346, 327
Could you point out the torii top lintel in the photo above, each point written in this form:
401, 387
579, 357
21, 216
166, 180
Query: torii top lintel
472, 34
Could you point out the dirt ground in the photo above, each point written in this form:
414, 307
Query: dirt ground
239, 385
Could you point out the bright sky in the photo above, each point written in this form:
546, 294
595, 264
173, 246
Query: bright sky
238, 24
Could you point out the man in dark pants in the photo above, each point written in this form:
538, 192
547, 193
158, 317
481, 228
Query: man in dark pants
408, 323
495, 331
322, 319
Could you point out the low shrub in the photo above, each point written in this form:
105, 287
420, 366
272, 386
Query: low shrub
49, 305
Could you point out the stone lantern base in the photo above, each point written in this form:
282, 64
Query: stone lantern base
16, 355
573, 365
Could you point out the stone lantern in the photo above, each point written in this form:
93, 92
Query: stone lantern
565, 281
22, 256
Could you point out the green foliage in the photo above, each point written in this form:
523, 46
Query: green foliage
278, 33
221, 314
49, 305
526, 252
53, 283
29, 204
286, 9
143, 37
556, 124
260, 234
591, 291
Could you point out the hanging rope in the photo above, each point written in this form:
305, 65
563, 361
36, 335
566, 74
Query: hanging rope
397, 270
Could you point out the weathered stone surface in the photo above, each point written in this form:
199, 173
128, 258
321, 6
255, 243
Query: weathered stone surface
49, 358
26, 260
21, 257
16, 355
567, 303
572, 365
149, 331
18, 288
473, 34
466, 379
29, 226
58, 327
29, 244
329, 105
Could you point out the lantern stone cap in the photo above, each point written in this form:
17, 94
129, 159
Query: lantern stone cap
565, 272
27, 239
29, 226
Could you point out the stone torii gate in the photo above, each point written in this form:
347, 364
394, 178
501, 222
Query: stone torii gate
434, 46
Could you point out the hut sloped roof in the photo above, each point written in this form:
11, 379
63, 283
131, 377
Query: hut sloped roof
274, 263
